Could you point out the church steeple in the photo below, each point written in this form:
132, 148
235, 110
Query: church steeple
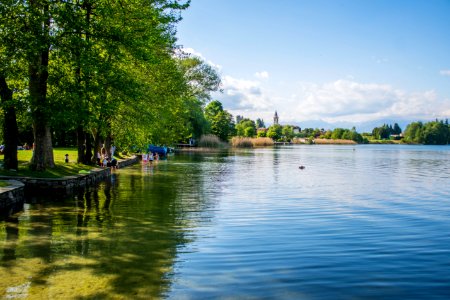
275, 118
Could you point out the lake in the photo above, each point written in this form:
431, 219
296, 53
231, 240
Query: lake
366, 221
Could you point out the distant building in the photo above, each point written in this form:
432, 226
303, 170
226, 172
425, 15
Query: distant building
261, 129
296, 129
275, 118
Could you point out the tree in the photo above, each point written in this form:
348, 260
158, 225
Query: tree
287, 132
221, 121
337, 133
260, 123
10, 130
261, 133
114, 69
201, 77
11, 66
246, 128
213, 108
396, 129
274, 132
413, 133
435, 133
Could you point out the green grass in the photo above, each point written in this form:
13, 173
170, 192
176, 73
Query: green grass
61, 168
3, 183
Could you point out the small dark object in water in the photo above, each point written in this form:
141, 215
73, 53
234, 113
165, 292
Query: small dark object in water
301, 167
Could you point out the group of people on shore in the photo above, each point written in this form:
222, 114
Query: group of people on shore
150, 157
103, 160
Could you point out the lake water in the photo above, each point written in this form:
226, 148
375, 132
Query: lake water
359, 222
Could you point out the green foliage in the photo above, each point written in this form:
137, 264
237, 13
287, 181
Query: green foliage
260, 123
113, 70
221, 121
246, 128
431, 133
337, 133
201, 77
385, 131
261, 133
274, 132
345, 134
287, 132
413, 133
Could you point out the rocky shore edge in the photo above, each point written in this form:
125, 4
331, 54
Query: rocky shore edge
19, 188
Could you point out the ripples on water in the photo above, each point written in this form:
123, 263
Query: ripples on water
357, 222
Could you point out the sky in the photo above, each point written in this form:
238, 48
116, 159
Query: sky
326, 63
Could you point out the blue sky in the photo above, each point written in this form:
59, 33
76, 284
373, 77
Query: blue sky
326, 62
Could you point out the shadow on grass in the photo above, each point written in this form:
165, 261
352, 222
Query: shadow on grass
61, 169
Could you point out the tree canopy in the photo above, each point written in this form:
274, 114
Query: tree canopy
103, 70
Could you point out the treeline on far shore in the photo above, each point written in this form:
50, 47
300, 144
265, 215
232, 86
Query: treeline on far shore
245, 132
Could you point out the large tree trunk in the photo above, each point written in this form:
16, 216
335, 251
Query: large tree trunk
108, 145
10, 130
88, 155
38, 73
97, 145
81, 139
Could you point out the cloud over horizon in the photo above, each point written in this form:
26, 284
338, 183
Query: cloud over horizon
339, 101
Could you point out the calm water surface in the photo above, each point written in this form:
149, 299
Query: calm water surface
359, 222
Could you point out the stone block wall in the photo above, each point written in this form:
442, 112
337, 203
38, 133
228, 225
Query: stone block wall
11, 197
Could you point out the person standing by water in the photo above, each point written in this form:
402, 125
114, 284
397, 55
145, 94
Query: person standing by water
99, 158
150, 157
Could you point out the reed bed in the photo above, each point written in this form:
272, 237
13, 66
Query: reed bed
210, 141
246, 142
262, 142
241, 142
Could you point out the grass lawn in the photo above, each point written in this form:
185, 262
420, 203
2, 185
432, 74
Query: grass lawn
61, 169
3, 183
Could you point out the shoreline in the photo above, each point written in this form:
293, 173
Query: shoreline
58, 187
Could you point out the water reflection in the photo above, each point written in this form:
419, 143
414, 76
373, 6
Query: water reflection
119, 240
369, 223
11, 236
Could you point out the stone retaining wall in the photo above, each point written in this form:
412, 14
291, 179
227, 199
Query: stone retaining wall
126, 162
66, 185
11, 197
63, 186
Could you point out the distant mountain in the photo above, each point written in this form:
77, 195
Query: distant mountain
360, 126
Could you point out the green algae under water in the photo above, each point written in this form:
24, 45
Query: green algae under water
357, 222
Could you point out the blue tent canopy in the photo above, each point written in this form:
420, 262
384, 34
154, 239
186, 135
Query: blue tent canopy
162, 151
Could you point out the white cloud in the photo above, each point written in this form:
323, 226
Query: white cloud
445, 72
262, 75
338, 101
243, 94
350, 101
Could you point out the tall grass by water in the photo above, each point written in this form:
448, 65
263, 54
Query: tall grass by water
241, 142
211, 141
245, 142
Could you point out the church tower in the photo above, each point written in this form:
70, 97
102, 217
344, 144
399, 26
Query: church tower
275, 118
